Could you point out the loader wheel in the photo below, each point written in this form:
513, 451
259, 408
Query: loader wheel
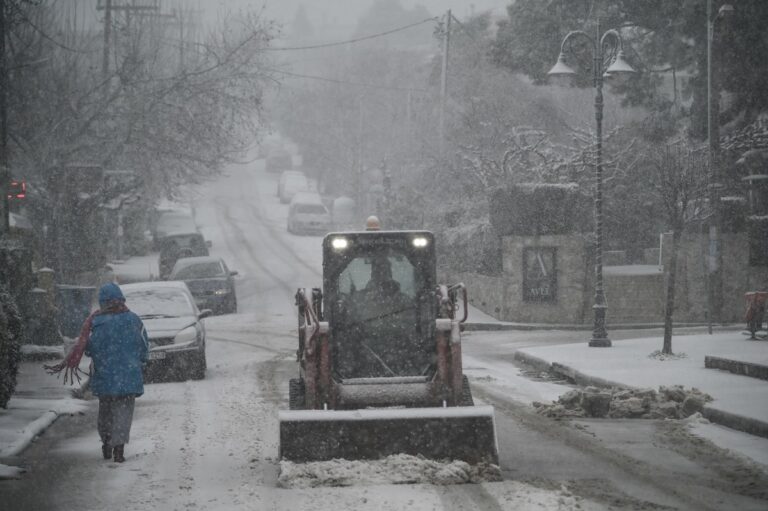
296, 397
466, 393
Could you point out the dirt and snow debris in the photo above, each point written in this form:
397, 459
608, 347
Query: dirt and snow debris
395, 469
673, 402
660, 355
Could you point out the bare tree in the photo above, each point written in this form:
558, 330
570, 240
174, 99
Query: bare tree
678, 173
171, 121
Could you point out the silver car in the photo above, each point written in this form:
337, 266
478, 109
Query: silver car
174, 326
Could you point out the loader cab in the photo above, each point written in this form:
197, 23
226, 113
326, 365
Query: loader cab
379, 302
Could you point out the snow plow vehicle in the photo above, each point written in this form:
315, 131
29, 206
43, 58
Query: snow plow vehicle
380, 368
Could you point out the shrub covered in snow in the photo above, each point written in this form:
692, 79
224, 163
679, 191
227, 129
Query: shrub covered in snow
10, 342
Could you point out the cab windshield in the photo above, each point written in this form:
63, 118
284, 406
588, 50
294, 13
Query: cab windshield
382, 298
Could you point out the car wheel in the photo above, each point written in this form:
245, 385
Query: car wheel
296, 394
466, 393
198, 366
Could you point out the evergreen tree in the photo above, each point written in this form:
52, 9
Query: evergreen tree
659, 34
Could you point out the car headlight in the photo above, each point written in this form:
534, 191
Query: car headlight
189, 334
420, 242
220, 292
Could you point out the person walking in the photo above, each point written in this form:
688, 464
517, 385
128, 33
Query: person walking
115, 339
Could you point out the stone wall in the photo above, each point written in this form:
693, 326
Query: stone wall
634, 293
502, 297
738, 276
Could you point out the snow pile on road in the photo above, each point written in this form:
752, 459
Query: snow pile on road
672, 402
395, 469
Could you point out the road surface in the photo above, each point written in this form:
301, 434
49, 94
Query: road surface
212, 444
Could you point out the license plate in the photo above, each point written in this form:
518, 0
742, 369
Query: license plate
156, 355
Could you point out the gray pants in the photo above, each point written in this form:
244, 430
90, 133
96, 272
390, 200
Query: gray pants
115, 417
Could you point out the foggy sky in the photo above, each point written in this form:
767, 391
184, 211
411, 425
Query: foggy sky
346, 12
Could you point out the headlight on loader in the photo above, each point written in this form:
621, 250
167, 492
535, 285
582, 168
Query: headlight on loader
420, 242
339, 243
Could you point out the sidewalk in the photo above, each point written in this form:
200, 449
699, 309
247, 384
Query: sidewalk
38, 401
740, 402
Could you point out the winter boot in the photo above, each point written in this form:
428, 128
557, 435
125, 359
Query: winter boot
118, 451
106, 451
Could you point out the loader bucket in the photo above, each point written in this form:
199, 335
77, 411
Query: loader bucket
462, 433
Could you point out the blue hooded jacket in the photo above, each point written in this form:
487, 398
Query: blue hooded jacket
118, 346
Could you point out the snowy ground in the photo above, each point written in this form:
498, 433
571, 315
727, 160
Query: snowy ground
212, 444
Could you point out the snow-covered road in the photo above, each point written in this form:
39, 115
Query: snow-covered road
212, 444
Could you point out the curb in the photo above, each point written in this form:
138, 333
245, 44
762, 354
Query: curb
729, 420
38, 426
501, 326
734, 421
32, 430
737, 367
28, 434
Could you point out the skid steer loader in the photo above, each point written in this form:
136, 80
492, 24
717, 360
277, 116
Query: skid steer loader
379, 355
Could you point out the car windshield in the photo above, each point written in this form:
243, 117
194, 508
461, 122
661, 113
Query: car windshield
313, 209
175, 222
149, 303
199, 271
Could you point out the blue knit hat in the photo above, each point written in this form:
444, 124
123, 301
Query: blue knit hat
110, 293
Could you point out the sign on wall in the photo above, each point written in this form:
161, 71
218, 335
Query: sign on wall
539, 274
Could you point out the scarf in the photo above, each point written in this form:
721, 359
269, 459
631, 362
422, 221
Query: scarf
71, 363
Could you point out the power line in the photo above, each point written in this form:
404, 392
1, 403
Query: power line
350, 41
359, 84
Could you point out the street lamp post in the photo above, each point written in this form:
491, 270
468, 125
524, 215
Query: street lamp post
614, 65
714, 256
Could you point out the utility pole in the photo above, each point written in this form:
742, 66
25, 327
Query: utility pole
107, 37
360, 193
444, 81
108, 7
181, 40
5, 175
714, 255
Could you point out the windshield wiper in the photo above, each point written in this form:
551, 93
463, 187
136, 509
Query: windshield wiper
155, 316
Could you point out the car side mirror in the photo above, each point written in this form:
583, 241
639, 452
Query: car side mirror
234, 272
205, 313
208, 243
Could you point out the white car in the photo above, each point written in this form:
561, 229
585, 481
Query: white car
307, 214
174, 326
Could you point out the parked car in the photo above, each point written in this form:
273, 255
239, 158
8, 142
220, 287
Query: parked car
170, 222
291, 183
177, 246
278, 161
307, 214
174, 326
210, 281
